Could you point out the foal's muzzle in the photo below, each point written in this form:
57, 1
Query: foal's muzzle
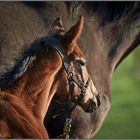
91, 105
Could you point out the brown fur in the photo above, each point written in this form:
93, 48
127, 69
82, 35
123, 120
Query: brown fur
24, 105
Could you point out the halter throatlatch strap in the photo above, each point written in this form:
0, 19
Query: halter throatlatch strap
67, 124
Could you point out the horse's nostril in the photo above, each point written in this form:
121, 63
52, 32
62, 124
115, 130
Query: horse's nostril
92, 105
98, 100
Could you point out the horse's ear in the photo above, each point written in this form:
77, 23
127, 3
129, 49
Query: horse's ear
73, 34
57, 23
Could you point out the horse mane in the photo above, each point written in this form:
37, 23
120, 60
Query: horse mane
105, 12
22, 65
26, 60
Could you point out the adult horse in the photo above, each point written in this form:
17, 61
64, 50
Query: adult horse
27, 88
110, 33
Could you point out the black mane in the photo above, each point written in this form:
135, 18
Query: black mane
22, 65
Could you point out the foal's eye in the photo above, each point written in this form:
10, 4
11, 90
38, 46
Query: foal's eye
81, 62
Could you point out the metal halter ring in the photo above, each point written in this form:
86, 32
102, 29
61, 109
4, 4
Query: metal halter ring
70, 75
83, 89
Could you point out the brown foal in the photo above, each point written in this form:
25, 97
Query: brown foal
25, 101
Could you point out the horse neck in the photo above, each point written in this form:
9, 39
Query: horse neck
35, 85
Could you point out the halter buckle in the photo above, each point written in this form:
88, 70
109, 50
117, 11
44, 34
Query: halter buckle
83, 90
67, 125
70, 75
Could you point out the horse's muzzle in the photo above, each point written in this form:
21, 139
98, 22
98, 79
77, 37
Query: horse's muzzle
91, 105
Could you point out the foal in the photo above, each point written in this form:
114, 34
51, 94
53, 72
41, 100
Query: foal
27, 89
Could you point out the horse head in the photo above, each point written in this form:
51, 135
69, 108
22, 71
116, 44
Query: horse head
84, 92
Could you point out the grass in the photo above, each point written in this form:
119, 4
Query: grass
123, 120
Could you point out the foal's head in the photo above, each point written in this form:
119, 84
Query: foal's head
84, 91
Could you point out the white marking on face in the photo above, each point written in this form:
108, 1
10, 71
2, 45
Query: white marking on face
91, 91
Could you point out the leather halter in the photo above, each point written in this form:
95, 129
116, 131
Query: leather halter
72, 78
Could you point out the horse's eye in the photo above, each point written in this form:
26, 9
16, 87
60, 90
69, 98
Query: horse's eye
82, 62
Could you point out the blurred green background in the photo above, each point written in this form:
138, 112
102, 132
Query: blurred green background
123, 120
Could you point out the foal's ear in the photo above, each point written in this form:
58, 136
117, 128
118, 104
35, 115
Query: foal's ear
73, 34
57, 23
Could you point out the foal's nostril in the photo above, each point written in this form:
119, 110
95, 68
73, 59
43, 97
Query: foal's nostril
91, 105
98, 100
